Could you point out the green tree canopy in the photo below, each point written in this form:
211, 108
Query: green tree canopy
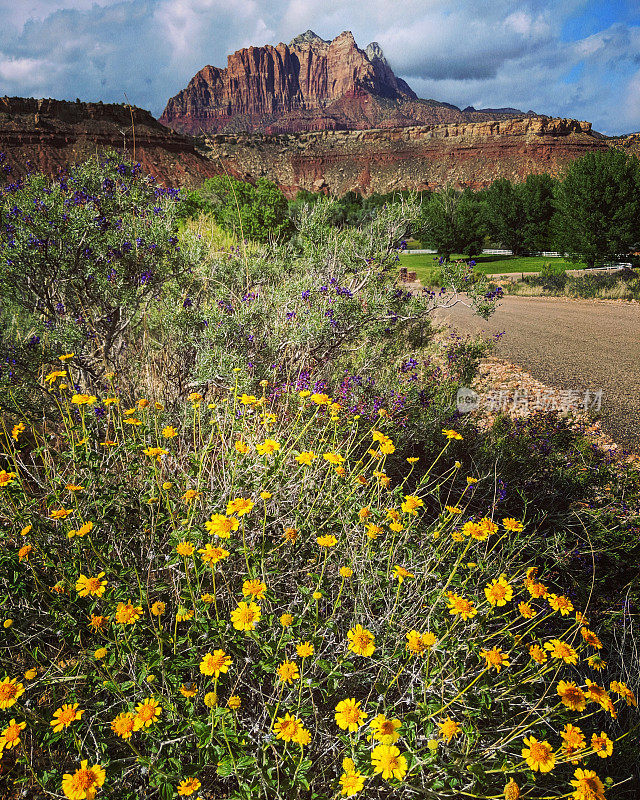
451, 222
259, 212
470, 223
538, 209
504, 214
598, 206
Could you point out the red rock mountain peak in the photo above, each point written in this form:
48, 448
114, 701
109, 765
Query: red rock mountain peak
309, 84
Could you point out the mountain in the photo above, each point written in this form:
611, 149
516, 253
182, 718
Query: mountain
308, 84
51, 134
500, 113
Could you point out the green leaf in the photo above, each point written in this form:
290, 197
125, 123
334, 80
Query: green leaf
225, 768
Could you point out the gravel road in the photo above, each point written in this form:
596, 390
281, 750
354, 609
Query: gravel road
571, 344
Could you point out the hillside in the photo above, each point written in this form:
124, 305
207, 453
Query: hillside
51, 134
419, 157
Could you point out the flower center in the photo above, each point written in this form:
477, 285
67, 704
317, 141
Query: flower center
85, 779
147, 712
289, 727
539, 752
7, 691
387, 728
352, 714
12, 733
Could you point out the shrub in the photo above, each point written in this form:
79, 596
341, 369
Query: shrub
323, 306
620, 285
585, 505
171, 312
241, 598
351, 208
193, 205
460, 276
625, 283
552, 278
259, 213
86, 255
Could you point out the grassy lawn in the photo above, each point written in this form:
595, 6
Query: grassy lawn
424, 265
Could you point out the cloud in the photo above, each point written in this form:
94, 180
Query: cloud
186, 27
495, 53
25, 71
463, 47
144, 49
632, 105
16, 12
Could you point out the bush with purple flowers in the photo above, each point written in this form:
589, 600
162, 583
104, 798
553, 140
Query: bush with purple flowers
83, 257
326, 305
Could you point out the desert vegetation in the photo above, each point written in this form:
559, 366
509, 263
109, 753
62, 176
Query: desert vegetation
623, 284
250, 547
590, 213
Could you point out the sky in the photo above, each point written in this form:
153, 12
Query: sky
568, 58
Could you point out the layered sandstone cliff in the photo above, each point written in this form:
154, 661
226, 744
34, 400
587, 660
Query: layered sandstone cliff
419, 157
51, 134
309, 84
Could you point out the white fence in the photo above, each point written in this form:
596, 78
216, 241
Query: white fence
484, 252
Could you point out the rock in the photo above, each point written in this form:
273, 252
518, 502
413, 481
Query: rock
308, 37
505, 382
419, 157
52, 134
309, 84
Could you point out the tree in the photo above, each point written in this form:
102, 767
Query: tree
192, 204
451, 222
438, 222
538, 209
504, 214
270, 212
470, 223
259, 212
598, 206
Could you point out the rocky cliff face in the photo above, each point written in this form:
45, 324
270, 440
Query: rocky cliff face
419, 157
629, 143
54, 133
309, 84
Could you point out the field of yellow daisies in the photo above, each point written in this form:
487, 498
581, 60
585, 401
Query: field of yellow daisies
251, 551
238, 602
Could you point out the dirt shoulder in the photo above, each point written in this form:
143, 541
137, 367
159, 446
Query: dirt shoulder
506, 388
576, 346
